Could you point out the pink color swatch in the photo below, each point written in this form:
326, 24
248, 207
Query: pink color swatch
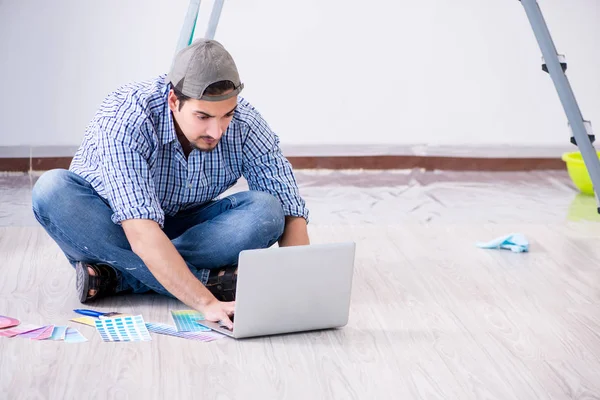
45, 333
19, 330
32, 334
7, 322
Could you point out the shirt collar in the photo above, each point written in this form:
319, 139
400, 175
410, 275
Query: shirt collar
168, 134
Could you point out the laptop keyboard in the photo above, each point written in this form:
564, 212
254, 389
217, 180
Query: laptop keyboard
223, 326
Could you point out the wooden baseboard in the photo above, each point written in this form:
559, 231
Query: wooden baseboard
346, 162
15, 164
428, 163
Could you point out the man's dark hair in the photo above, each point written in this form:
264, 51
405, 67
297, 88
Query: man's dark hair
214, 89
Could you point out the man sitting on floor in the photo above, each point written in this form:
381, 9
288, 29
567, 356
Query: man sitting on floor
138, 209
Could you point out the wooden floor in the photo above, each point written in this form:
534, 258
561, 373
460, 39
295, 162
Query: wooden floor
432, 316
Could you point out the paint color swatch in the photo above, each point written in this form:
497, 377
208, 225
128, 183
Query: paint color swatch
72, 335
165, 329
58, 333
185, 321
32, 334
91, 321
123, 329
7, 322
45, 333
39, 334
17, 330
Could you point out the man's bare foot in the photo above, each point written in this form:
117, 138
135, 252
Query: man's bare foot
91, 292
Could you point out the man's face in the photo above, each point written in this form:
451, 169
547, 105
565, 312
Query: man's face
202, 122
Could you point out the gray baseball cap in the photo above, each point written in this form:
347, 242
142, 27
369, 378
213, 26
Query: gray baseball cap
201, 64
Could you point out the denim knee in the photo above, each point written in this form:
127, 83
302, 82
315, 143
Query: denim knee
268, 210
47, 190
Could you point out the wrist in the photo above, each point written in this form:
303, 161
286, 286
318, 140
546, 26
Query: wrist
205, 299
295, 232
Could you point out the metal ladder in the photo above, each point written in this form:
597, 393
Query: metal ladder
555, 64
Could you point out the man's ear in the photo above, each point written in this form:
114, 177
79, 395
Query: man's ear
172, 100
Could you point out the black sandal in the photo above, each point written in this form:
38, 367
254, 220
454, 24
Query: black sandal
105, 281
222, 283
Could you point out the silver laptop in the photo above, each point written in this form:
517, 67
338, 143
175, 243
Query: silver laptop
291, 289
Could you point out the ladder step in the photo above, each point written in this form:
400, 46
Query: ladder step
561, 59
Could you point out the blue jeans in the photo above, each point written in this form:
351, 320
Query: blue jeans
208, 236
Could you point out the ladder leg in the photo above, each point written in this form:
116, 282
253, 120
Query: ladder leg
565, 93
189, 25
214, 19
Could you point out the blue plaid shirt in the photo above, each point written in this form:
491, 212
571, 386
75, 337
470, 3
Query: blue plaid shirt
131, 156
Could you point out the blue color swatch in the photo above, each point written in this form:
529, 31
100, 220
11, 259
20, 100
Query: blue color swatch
123, 329
185, 321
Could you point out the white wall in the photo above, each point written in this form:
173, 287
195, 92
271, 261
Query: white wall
436, 72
